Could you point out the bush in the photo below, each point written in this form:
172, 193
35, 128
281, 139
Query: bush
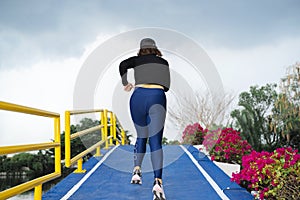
211, 138
193, 134
267, 172
230, 147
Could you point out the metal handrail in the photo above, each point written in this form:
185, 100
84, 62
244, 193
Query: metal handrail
27, 110
86, 131
77, 112
27, 147
105, 139
35, 183
89, 150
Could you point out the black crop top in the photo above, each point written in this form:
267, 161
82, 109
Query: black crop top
148, 69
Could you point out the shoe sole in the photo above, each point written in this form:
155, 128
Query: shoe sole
139, 182
156, 197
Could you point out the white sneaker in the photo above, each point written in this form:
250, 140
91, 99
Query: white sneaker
158, 191
136, 177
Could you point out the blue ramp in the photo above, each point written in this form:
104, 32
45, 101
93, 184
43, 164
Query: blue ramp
109, 178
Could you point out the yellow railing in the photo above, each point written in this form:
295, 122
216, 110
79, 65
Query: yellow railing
4, 150
106, 140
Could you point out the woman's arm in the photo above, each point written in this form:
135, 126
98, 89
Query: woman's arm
123, 68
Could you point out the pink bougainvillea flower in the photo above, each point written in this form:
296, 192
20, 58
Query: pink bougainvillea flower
229, 146
262, 170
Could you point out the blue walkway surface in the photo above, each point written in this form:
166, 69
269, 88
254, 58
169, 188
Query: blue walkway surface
187, 174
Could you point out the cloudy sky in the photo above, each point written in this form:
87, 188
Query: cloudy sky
43, 43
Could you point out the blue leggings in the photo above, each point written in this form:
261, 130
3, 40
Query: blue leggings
148, 112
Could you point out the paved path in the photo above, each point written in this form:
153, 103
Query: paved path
187, 174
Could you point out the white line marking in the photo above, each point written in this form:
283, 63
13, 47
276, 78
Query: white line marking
77, 186
205, 174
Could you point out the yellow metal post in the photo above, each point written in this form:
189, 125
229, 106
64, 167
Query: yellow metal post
57, 150
111, 129
67, 139
102, 126
115, 129
79, 167
98, 152
105, 128
123, 137
114, 126
38, 192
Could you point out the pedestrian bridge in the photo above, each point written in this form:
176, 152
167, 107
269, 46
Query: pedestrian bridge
187, 173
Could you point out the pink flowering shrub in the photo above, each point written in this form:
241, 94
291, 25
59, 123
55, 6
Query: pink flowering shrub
193, 134
230, 147
211, 138
263, 172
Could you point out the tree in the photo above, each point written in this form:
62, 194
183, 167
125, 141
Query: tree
253, 118
207, 109
89, 139
2, 160
164, 140
79, 144
286, 117
171, 142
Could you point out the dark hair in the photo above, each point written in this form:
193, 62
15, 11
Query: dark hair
148, 51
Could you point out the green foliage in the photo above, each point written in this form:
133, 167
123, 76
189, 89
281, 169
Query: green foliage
34, 165
164, 140
252, 118
171, 142
286, 112
269, 120
81, 143
90, 138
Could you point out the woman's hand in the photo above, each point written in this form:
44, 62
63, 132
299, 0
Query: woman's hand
128, 87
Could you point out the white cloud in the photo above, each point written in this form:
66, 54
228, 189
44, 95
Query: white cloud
37, 30
49, 85
240, 69
45, 85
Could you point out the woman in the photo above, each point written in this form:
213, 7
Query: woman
148, 108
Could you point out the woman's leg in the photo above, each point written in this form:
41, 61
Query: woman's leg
139, 118
148, 112
139, 151
156, 154
157, 115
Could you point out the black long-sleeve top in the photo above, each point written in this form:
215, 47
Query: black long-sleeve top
148, 69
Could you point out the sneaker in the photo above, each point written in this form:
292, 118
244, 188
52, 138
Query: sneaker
158, 191
136, 177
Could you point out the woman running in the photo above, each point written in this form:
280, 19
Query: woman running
148, 108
